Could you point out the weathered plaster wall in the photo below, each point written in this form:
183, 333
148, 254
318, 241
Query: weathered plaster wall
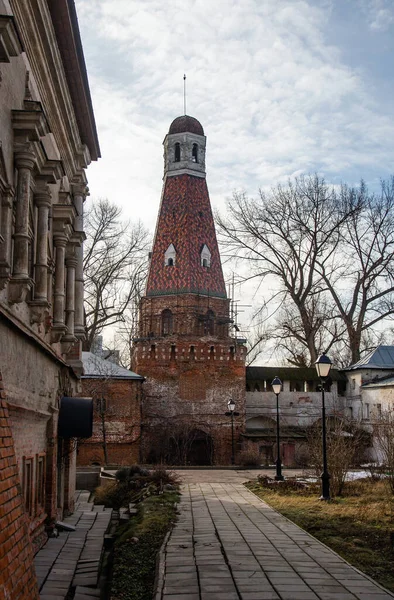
296, 409
34, 381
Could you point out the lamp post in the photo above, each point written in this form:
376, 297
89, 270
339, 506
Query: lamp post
232, 413
323, 366
277, 387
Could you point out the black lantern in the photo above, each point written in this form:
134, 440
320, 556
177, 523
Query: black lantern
323, 366
232, 413
277, 388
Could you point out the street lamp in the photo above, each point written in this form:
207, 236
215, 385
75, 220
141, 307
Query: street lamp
232, 413
323, 366
277, 387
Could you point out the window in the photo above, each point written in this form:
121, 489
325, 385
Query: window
40, 481
28, 484
166, 322
195, 153
205, 256
353, 384
296, 386
170, 256
209, 323
366, 411
379, 411
177, 152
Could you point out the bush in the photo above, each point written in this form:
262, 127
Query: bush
133, 484
249, 456
162, 477
127, 473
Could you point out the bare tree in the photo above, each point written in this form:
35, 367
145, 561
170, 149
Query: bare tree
383, 433
256, 342
360, 279
326, 254
115, 264
345, 443
283, 236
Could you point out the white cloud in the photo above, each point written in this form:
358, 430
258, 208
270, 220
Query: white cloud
380, 14
271, 91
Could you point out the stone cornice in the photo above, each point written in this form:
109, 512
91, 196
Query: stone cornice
48, 70
65, 23
184, 171
29, 124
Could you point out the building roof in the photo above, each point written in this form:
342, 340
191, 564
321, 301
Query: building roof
289, 374
65, 23
185, 221
96, 367
186, 124
387, 381
380, 358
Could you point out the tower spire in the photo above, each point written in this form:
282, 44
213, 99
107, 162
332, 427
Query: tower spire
184, 93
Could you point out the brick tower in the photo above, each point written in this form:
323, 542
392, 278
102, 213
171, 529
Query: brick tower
192, 363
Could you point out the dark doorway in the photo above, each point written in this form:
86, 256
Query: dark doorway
201, 449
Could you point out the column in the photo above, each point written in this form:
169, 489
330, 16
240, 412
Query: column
79, 325
60, 241
6, 232
42, 199
71, 263
24, 161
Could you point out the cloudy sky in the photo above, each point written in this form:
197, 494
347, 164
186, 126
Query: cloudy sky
281, 87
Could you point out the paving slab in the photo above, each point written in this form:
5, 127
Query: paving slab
228, 544
74, 558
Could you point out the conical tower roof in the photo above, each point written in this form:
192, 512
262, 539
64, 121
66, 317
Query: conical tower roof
185, 256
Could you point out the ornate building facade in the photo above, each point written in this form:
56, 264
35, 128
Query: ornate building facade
192, 364
47, 139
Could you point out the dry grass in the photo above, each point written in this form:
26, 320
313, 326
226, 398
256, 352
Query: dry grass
357, 525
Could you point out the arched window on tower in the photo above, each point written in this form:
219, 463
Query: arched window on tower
170, 256
209, 323
177, 154
166, 322
205, 257
195, 153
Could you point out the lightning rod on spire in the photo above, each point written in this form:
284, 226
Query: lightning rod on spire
184, 93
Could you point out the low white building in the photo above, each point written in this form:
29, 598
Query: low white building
300, 405
370, 391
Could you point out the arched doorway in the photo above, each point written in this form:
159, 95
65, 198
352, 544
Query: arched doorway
201, 449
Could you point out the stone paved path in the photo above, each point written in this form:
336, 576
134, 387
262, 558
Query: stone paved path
230, 545
73, 559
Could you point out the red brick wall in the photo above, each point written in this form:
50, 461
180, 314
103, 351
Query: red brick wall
122, 416
17, 575
30, 442
190, 374
187, 309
